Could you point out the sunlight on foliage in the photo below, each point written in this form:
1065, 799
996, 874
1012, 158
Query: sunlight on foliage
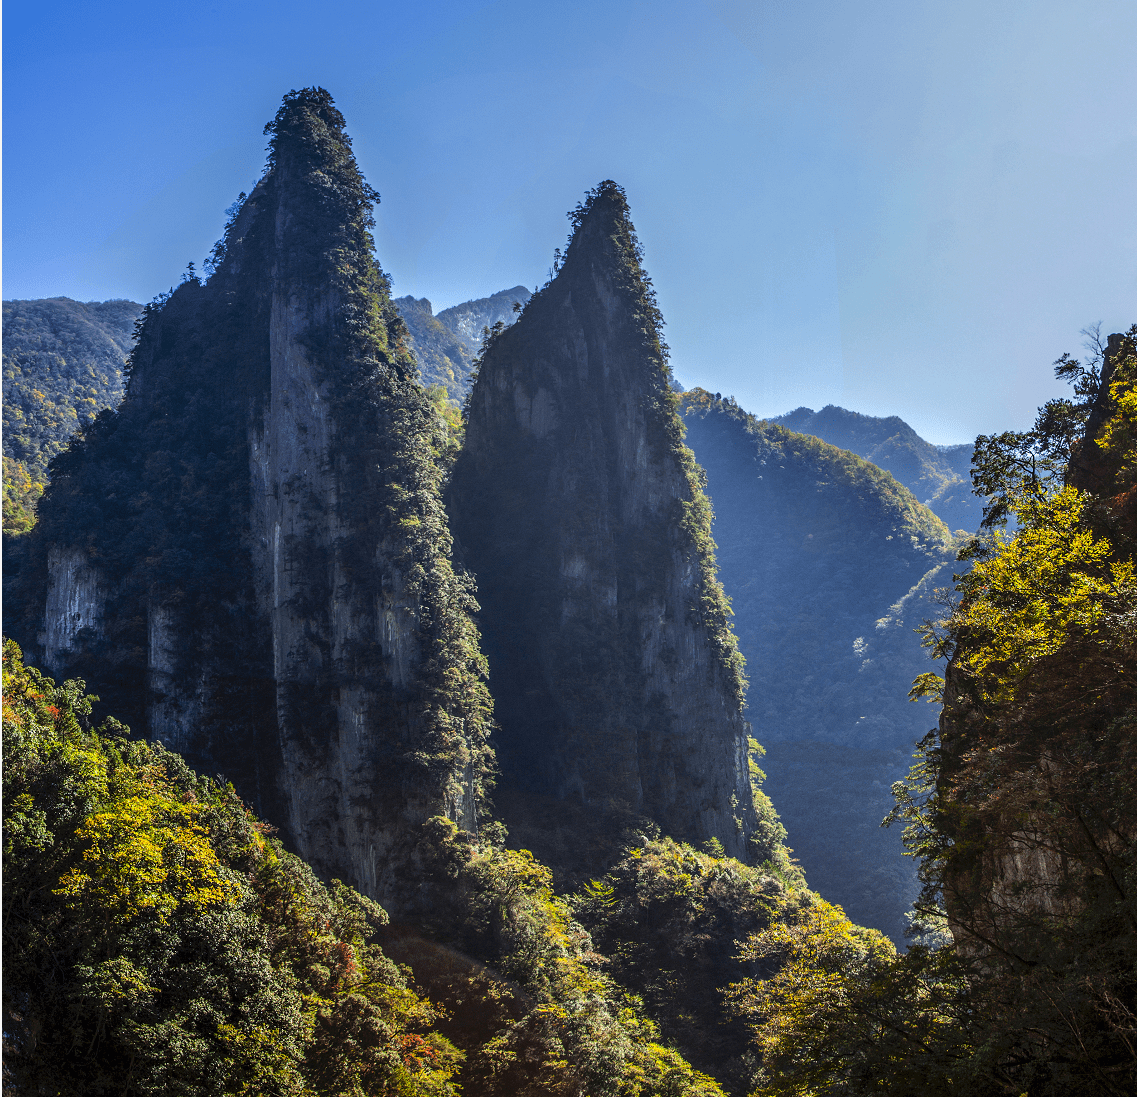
1034, 590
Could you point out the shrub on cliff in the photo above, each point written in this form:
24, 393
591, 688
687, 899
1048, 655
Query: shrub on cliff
544, 1017
673, 920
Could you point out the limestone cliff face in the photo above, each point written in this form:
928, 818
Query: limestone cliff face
613, 670
255, 544
74, 603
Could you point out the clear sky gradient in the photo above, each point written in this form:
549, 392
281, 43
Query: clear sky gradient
902, 207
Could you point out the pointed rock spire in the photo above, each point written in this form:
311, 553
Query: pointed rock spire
615, 675
258, 537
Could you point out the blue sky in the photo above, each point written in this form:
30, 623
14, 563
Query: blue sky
902, 207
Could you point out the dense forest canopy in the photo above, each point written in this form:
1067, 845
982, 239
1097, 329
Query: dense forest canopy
161, 939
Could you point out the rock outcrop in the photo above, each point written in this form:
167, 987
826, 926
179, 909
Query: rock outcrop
1035, 758
615, 675
255, 543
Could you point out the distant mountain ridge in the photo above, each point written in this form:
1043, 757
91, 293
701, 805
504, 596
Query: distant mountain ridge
468, 319
830, 564
446, 345
939, 476
443, 359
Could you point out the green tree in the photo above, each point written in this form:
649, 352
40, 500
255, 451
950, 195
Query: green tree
1020, 807
21, 494
159, 941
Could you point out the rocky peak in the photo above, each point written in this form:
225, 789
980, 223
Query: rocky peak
616, 678
255, 543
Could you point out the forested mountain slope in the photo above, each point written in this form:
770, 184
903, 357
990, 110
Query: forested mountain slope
938, 476
63, 363
830, 565
443, 359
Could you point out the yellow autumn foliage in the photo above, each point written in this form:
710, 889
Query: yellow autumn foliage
146, 852
1048, 581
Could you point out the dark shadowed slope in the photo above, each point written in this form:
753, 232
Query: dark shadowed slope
830, 565
613, 667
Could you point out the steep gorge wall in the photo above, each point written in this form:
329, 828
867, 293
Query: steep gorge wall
1036, 745
613, 668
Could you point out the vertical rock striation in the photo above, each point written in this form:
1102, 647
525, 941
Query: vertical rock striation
255, 543
615, 676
